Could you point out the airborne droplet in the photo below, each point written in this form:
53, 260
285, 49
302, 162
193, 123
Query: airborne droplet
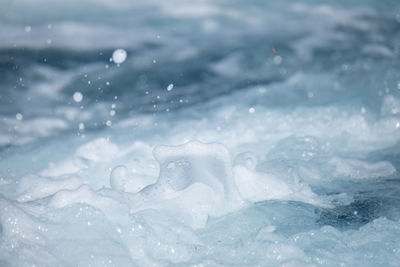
78, 97
119, 56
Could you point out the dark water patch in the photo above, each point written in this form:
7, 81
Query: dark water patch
289, 217
371, 201
19, 58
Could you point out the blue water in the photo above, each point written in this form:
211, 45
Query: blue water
234, 133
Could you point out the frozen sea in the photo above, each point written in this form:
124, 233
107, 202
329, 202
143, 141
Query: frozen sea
199, 133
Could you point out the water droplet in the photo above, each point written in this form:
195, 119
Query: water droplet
170, 87
119, 56
19, 116
252, 110
277, 60
81, 126
78, 97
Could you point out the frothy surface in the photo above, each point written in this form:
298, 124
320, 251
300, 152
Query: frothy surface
201, 134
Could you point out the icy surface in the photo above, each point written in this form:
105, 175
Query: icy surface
224, 133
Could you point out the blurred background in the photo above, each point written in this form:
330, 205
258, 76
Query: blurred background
307, 53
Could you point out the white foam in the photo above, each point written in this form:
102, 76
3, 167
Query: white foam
97, 150
195, 178
18, 227
35, 187
112, 201
68, 166
359, 169
85, 195
254, 186
123, 180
